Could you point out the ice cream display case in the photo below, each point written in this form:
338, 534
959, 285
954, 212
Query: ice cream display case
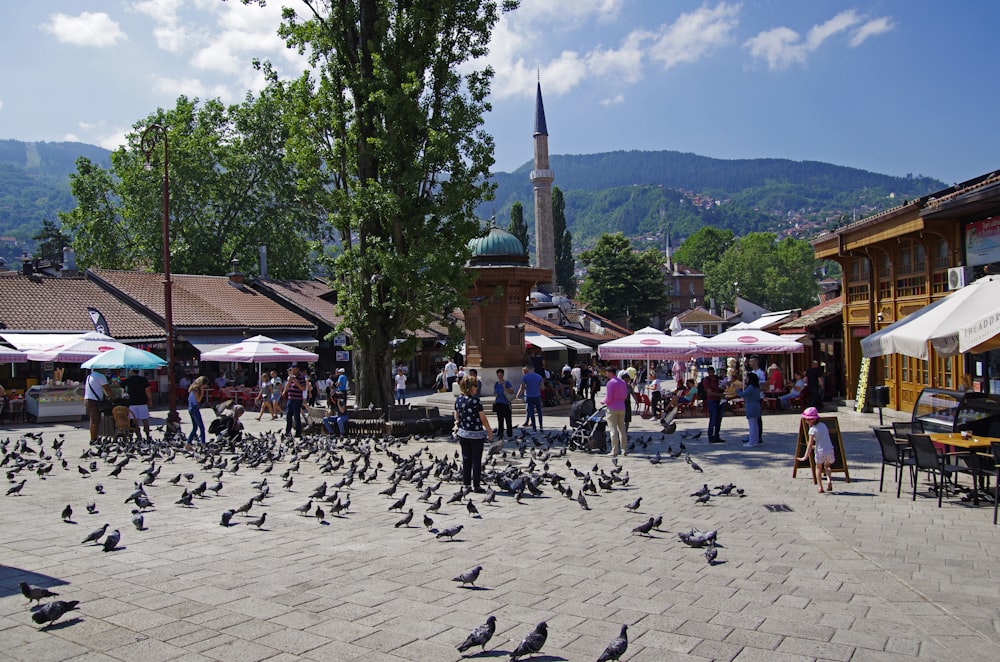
55, 403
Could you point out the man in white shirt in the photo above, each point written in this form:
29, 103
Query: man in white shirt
96, 389
450, 372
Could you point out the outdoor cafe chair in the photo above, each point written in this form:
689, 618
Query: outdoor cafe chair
894, 454
927, 458
900, 429
995, 448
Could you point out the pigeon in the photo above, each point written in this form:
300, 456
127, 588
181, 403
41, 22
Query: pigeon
187, 499
696, 466
644, 529
406, 519
399, 503
35, 593
137, 520
67, 513
471, 507
703, 498
616, 648
227, 516
491, 495
92, 508
634, 506
99, 488
480, 636
434, 507
428, 522
469, 576
51, 612
532, 643
658, 522
710, 554
245, 508
95, 535
83, 472
450, 532
304, 508
111, 542
16, 490
319, 514
259, 522
582, 500
703, 490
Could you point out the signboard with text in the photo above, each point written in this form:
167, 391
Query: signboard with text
982, 241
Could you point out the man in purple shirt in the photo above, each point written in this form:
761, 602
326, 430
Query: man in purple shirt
616, 399
531, 386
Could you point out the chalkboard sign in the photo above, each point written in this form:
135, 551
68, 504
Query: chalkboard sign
839, 458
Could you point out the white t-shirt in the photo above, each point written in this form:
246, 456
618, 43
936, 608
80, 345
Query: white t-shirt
450, 369
95, 386
400, 382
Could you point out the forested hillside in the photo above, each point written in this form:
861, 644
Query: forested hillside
641, 193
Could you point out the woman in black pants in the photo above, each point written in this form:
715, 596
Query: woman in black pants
471, 428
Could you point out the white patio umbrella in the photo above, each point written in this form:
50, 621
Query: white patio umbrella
648, 344
965, 320
675, 326
744, 339
259, 349
78, 349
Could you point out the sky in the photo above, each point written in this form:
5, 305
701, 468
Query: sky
892, 86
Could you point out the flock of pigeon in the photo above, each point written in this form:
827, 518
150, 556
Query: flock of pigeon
521, 469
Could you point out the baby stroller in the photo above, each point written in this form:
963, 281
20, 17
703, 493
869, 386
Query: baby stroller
590, 435
667, 420
580, 410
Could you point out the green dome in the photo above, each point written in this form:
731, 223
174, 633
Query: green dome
497, 248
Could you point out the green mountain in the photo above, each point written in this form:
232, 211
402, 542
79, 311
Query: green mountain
643, 193
34, 186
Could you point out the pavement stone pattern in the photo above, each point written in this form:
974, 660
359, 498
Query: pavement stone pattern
853, 575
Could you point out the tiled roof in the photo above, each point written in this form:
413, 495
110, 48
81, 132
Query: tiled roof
311, 296
201, 302
698, 316
42, 303
548, 328
816, 315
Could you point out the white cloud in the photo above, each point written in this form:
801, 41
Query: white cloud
616, 100
1, 104
567, 13
695, 34
624, 63
71, 138
87, 29
192, 88
870, 29
782, 46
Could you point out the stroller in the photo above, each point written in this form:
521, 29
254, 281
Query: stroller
590, 434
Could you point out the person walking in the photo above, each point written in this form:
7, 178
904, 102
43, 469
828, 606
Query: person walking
400, 380
616, 400
531, 387
471, 428
197, 393
713, 398
501, 404
450, 373
296, 390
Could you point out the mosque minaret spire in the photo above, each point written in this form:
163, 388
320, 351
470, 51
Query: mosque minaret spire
541, 179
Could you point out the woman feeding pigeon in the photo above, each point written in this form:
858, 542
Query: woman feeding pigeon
471, 428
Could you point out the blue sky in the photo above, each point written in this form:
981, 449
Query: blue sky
891, 86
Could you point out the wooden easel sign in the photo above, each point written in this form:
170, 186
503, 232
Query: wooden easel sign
839, 458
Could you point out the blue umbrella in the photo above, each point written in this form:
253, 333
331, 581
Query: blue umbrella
125, 357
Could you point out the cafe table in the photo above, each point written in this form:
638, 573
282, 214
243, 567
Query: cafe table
975, 445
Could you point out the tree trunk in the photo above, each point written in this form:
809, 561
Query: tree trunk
372, 371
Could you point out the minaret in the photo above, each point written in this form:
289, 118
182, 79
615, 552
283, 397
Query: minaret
541, 179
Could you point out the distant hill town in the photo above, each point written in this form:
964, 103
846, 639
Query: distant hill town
638, 193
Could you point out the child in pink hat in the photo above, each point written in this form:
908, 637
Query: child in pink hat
819, 439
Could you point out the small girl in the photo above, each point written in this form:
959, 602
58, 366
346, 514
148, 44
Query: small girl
819, 437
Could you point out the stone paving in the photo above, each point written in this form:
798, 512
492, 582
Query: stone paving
852, 575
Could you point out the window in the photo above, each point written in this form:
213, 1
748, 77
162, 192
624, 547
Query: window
939, 267
885, 277
910, 258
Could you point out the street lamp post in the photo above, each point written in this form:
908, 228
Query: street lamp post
149, 140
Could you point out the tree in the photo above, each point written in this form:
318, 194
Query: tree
563, 245
776, 275
517, 226
703, 248
51, 241
231, 190
386, 131
622, 283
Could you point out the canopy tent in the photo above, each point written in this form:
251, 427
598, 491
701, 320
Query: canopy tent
8, 355
578, 346
742, 339
648, 344
543, 343
965, 320
27, 342
259, 349
77, 349
125, 357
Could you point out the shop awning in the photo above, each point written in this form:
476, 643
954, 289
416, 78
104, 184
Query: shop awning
543, 343
27, 342
208, 343
578, 346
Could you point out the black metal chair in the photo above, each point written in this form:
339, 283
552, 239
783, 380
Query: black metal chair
894, 454
901, 429
927, 458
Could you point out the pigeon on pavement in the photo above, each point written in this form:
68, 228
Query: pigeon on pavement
111, 542
95, 535
137, 520
616, 648
644, 529
259, 522
532, 643
407, 518
480, 636
227, 515
51, 612
450, 532
67, 513
35, 593
469, 576
634, 505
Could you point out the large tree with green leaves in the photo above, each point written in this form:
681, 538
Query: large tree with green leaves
517, 226
51, 241
777, 275
231, 190
622, 283
387, 132
563, 244
703, 248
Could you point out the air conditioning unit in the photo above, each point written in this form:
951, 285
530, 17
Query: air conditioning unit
959, 277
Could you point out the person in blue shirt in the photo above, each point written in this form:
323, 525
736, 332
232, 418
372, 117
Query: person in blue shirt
501, 405
531, 387
752, 395
341, 384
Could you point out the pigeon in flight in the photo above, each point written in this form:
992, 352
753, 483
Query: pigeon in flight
469, 576
532, 643
616, 648
111, 542
35, 593
51, 612
480, 636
